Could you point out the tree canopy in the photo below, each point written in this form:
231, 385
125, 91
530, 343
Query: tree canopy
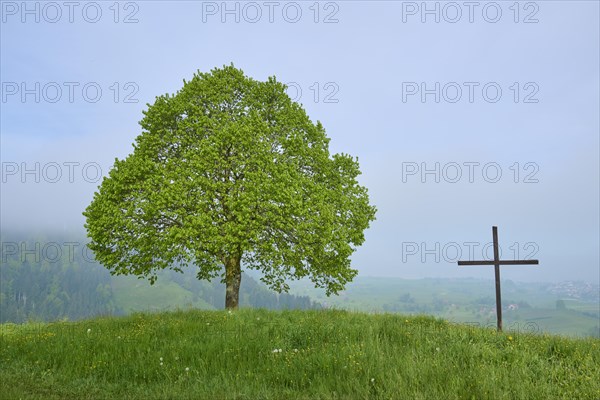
229, 171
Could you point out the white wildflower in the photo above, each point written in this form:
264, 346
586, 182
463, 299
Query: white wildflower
187, 369
89, 331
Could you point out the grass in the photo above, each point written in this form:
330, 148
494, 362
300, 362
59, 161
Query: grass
331, 354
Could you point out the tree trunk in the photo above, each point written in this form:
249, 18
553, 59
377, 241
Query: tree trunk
233, 278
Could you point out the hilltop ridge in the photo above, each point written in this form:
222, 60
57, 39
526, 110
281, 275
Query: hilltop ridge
315, 354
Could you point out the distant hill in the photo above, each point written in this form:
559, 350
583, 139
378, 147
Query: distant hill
567, 308
47, 278
175, 290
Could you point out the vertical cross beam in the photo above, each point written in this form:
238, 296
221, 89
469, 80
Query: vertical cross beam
496, 263
497, 274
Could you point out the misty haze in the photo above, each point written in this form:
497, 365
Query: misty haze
300, 199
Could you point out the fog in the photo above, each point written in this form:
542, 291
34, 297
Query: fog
458, 126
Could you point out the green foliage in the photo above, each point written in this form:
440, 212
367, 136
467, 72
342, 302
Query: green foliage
257, 354
230, 169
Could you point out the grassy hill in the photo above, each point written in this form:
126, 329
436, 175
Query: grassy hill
259, 354
132, 294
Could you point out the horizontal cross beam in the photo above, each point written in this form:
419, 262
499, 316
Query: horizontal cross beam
500, 262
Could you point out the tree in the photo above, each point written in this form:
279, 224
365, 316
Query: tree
229, 171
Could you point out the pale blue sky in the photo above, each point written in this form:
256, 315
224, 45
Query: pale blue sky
368, 56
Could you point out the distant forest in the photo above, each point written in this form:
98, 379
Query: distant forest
53, 278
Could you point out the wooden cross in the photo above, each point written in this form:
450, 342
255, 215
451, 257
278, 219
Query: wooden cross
496, 263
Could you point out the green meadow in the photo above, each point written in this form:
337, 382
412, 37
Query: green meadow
260, 354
